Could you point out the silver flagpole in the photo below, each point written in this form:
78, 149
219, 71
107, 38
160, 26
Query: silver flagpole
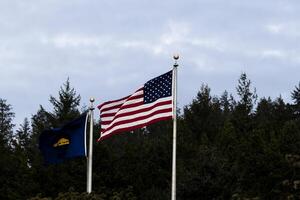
176, 57
90, 154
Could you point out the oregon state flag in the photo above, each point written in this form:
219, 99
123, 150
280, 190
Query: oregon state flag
66, 142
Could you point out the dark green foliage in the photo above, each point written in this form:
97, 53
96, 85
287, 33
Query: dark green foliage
203, 116
6, 157
22, 138
296, 98
71, 196
6, 125
247, 97
65, 108
242, 112
296, 95
226, 149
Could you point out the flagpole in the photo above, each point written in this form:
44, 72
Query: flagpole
176, 57
90, 154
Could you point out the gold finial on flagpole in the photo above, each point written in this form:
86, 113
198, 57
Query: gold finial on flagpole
92, 103
176, 57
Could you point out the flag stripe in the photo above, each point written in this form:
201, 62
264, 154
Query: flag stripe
128, 112
120, 130
137, 124
137, 118
122, 119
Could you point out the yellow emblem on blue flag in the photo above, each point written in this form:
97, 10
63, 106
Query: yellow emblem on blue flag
62, 142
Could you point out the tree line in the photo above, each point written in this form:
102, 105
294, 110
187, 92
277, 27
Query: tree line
228, 148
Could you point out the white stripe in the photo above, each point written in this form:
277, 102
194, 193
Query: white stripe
104, 126
107, 119
133, 101
112, 104
127, 125
136, 115
120, 102
110, 111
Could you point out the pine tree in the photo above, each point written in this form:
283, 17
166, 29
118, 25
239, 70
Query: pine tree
296, 95
23, 134
225, 102
197, 113
243, 109
39, 122
247, 97
65, 108
296, 99
283, 112
6, 125
265, 113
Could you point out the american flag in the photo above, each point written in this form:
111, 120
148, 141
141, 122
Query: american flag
150, 103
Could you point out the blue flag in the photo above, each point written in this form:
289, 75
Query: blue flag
63, 143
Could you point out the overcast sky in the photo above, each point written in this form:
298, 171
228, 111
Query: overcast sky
109, 48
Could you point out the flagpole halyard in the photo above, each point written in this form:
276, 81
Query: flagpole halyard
90, 151
173, 194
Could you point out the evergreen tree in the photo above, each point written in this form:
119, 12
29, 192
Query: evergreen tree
247, 96
65, 108
203, 115
225, 102
22, 174
282, 113
296, 99
243, 109
39, 122
264, 113
6, 124
9, 159
296, 95
23, 135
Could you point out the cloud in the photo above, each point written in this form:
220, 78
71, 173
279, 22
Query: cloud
274, 28
272, 53
66, 40
286, 29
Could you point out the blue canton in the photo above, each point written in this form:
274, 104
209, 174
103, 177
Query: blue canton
158, 87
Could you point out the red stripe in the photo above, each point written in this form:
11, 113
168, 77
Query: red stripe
108, 102
107, 115
137, 111
139, 118
120, 105
118, 131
